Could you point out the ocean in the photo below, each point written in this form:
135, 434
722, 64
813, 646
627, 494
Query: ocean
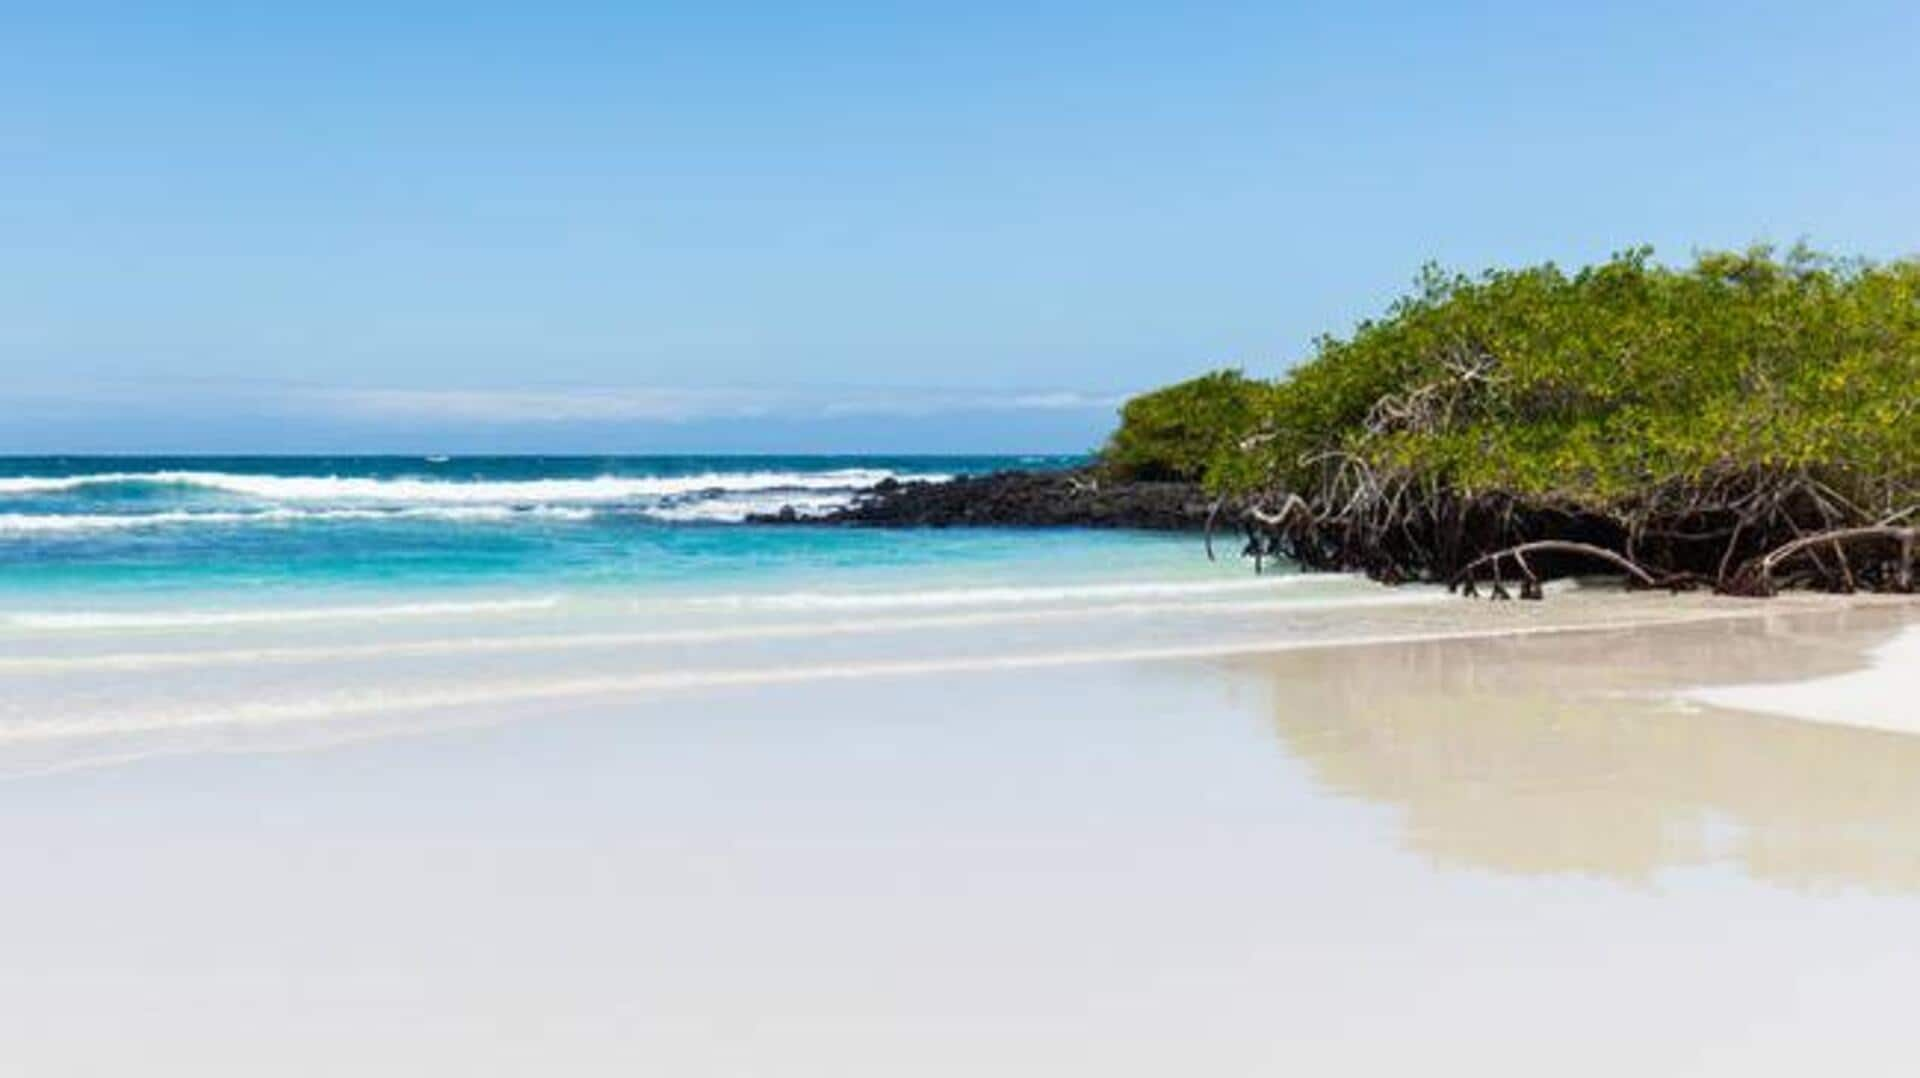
140, 529
151, 604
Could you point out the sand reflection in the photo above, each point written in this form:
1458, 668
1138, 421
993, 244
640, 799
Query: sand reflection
1556, 754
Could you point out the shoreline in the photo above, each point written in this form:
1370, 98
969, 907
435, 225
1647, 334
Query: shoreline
307, 689
1479, 549
1860, 698
697, 680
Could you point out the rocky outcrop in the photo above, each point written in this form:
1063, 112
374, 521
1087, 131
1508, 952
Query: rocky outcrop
1019, 499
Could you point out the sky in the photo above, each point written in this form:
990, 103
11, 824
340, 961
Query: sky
646, 227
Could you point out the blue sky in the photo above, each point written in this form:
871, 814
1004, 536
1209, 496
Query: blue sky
647, 227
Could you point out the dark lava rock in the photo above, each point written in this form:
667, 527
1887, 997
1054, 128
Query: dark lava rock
1019, 499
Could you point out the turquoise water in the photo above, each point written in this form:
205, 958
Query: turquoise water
159, 606
233, 530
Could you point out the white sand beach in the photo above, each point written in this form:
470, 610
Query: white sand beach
1869, 697
1513, 838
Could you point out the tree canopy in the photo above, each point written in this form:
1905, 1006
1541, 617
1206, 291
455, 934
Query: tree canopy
1181, 431
1601, 392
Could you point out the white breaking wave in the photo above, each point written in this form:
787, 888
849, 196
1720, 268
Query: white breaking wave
181, 619
996, 596
723, 509
410, 491
56, 523
733, 509
35, 524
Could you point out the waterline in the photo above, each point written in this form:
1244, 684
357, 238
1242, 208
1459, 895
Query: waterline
470, 694
130, 661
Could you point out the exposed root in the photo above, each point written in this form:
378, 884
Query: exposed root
1738, 531
1518, 555
1756, 577
1213, 517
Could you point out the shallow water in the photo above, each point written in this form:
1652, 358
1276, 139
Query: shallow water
155, 605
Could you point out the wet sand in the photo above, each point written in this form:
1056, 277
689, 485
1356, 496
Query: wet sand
1504, 854
1603, 753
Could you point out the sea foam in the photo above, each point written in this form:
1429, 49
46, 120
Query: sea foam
56, 523
417, 491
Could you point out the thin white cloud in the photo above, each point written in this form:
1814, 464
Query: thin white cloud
550, 406
666, 405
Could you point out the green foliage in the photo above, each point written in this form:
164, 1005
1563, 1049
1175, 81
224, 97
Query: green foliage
1174, 433
1587, 388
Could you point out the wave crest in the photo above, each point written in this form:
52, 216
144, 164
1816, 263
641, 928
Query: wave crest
417, 491
62, 523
